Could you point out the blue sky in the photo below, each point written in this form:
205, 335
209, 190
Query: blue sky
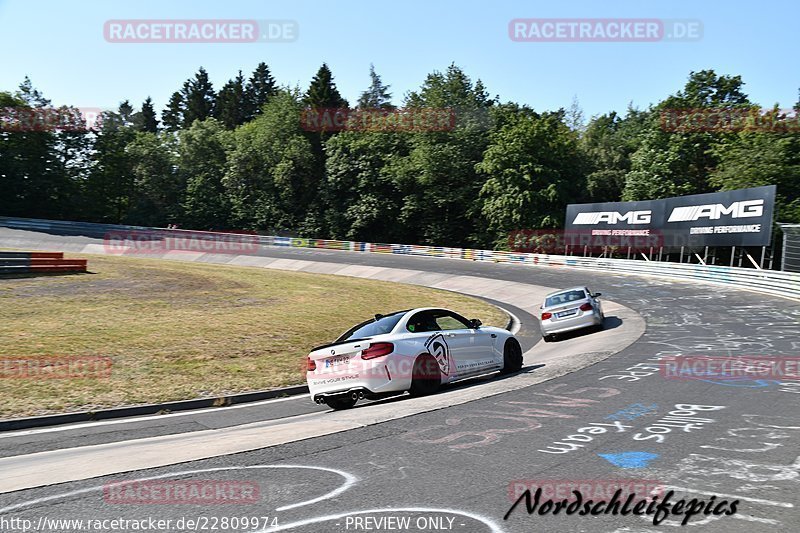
60, 45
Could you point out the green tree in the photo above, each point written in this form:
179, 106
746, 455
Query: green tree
172, 116
260, 88
533, 166
231, 106
360, 192
439, 179
156, 190
608, 143
752, 159
110, 185
199, 96
675, 163
146, 119
38, 170
322, 92
202, 153
270, 175
378, 95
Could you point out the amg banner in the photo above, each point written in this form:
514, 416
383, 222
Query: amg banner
732, 218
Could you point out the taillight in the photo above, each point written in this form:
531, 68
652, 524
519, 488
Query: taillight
546, 316
586, 307
379, 349
311, 365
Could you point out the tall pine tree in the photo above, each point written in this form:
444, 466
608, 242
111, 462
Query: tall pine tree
146, 120
200, 98
172, 116
322, 92
231, 106
260, 88
378, 95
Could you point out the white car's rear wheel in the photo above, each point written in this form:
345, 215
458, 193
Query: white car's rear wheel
426, 378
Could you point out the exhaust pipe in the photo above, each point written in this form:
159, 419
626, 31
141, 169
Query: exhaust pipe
354, 396
361, 395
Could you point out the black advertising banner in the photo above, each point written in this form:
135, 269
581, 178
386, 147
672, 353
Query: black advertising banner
732, 218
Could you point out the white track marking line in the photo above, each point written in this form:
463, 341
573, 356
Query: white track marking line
350, 480
69, 427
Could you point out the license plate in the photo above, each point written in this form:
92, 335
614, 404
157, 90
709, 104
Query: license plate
337, 361
571, 312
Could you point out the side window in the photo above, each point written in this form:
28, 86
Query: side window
448, 321
422, 322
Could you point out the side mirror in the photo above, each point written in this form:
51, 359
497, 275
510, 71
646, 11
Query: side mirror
475, 323
595, 295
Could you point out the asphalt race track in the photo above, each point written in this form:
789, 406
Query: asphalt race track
456, 468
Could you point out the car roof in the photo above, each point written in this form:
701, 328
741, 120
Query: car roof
565, 290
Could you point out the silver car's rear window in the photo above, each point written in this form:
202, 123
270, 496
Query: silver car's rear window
564, 298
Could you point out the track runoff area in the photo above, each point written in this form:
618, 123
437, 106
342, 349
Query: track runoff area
694, 423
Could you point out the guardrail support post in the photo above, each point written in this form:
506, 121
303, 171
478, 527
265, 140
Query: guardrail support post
660, 250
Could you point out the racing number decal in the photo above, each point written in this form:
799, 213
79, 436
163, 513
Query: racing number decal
438, 348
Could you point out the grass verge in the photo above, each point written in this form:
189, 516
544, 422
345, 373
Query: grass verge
178, 330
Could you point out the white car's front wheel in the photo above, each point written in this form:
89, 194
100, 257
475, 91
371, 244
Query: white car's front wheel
512, 356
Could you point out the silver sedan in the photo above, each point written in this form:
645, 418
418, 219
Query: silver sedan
568, 310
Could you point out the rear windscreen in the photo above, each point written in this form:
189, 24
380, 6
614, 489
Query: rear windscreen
373, 327
564, 298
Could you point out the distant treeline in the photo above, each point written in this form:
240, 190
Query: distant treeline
451, 166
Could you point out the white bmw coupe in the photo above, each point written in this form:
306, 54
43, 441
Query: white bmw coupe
416, 350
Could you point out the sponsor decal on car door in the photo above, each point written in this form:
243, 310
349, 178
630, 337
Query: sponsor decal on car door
438, 348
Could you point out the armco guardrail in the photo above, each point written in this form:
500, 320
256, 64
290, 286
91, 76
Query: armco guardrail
784, 284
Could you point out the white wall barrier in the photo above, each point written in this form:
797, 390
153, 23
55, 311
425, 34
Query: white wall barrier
785, 284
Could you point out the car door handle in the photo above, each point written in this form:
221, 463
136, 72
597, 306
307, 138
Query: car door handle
451, 334
494, 335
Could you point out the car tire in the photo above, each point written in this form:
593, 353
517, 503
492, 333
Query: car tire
337, 403
512, 357
426, 377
